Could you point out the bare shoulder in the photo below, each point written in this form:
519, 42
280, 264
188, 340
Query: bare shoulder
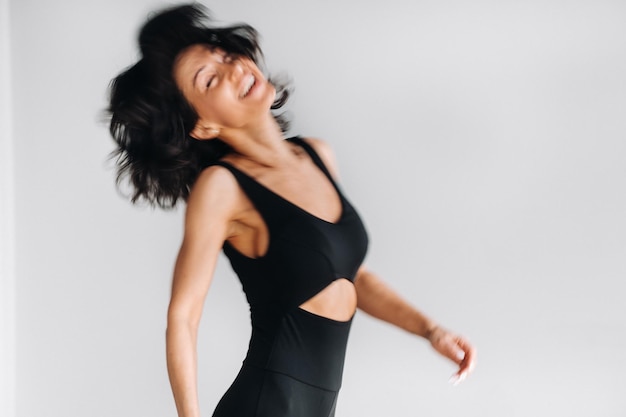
325, 151
214, 198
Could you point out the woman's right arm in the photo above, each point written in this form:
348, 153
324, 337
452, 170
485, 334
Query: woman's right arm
210, 209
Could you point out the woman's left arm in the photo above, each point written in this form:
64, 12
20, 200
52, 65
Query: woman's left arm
378, 300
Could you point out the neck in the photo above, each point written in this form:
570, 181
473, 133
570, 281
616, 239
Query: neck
263, 144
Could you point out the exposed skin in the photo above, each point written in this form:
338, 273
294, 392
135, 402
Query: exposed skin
218, 210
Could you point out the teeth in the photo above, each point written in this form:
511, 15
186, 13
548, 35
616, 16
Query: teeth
251, 81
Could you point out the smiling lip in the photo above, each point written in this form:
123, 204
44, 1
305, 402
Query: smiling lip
249, 84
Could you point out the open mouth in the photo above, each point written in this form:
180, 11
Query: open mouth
250, 83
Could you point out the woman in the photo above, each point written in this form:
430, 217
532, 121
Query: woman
193, 121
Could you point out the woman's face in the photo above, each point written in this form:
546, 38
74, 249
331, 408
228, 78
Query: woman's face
226, 92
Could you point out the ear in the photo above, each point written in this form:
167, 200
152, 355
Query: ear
201, 132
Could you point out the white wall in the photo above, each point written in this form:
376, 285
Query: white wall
483, 142
7, 231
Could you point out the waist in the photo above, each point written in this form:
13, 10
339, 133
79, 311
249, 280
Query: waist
305, 346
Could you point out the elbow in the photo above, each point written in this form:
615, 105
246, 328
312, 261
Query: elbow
181, 316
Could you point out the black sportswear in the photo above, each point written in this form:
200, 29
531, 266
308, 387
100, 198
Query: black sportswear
295, 358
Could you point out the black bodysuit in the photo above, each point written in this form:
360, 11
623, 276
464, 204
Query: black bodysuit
295, 358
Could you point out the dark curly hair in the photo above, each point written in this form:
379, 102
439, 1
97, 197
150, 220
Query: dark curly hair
150, 120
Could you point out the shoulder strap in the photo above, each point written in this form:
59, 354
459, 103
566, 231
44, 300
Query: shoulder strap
243, 180
314, 156
264, 200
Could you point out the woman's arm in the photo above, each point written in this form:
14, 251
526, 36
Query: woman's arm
378, 300
209, 210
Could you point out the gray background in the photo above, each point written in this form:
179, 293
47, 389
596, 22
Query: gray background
483, 142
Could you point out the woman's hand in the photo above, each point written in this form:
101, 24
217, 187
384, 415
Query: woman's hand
455, 348
380, 301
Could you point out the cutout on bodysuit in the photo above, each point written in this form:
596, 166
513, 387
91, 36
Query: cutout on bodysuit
337, 301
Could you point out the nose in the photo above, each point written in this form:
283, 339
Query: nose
237, 69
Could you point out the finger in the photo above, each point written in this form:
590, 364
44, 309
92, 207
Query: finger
460, 375
469, 361
453, 352
463, 343
457, 378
